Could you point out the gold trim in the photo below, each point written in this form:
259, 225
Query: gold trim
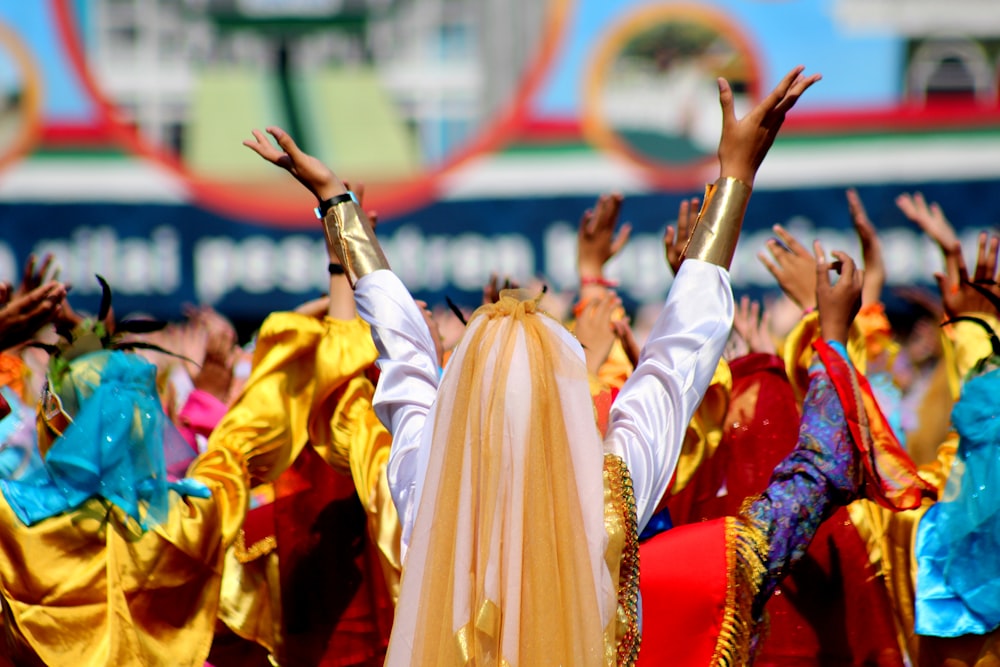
623, 498
256, 550
746, 552
351, 237
719, 221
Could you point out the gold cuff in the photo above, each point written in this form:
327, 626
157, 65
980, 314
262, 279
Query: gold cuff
718, 227
350, 236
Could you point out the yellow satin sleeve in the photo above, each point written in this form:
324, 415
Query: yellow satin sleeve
617, 368
308, 385
704, 433
359, 435
87, 588
964, 344
346, 433
876, 331
268, 422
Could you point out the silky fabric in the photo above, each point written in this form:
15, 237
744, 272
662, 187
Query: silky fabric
889, 536
797, 351
965, 344
647, 422
88, 586
18, 438
115, 448
958, 572
12, 372
308, 385
810, 617
520, 492
891, 479
708, 581
704, 433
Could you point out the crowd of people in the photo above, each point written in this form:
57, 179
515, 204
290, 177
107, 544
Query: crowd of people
544, 486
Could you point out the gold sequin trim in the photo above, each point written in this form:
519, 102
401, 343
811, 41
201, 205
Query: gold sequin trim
746, 548
628, 579
256, 550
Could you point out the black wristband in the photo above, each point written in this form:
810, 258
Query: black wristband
327, 204
335, 269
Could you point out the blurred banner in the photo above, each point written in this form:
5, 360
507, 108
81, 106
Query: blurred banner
480, 128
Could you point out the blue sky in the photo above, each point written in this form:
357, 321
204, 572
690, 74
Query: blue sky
64, 99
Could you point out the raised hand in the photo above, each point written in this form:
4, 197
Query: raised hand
675, 241
432, 326
623, 330
24, 314
309, 171
961, 297
793, 267
216, 373
596, 238
871, 249
594, 330
930, 219
753, 326
746, 141
34, 274
838, 302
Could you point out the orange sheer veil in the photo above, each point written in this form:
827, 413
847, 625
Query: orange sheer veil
505, 564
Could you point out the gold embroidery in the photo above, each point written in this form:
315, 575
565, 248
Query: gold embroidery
621, 517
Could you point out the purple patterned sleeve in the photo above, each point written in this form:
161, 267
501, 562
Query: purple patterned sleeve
818, 476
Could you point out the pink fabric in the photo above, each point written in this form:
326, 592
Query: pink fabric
199, 416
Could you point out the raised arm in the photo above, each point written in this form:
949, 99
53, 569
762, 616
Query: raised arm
649, 418
407, 355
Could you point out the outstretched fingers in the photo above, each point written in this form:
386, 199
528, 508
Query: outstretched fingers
287, 143
262, 146
775, 97
794, 92
790, 241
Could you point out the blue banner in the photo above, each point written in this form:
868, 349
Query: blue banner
159, 256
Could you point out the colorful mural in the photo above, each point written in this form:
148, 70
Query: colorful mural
480, 127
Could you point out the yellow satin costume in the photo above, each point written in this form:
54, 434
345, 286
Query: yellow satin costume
889, 536
316, 370
85, 588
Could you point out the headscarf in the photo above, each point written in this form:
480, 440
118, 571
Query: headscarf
958, 539
117, 447
506, 559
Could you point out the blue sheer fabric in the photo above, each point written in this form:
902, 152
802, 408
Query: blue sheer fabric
116, 448
958, 539
18, 438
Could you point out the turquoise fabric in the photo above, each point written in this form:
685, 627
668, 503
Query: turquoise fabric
18, 438
958, 540
115, 448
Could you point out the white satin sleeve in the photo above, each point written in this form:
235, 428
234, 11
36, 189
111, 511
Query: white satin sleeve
651, 413
407, 385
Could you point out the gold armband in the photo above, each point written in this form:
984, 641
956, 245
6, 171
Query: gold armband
718, 227
350, 236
